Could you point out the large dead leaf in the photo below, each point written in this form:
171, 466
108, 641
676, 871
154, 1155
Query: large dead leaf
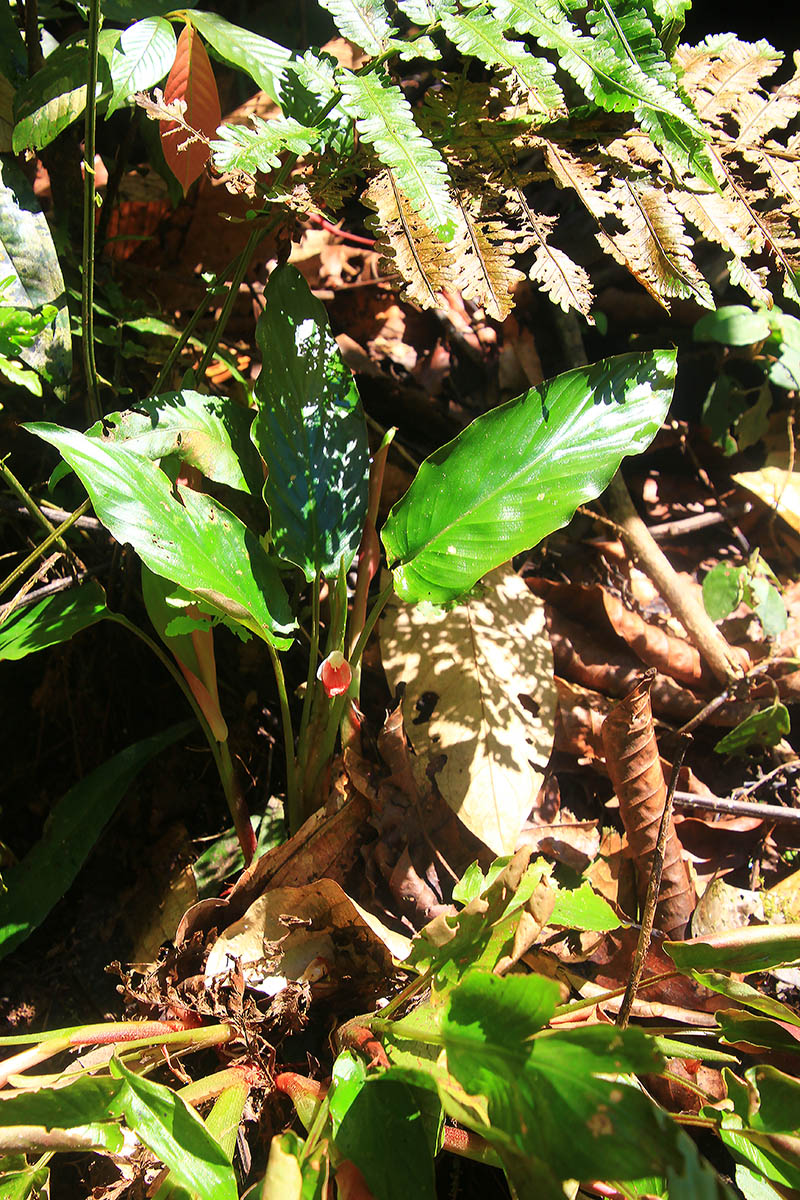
480, 697
777, 486
635, 770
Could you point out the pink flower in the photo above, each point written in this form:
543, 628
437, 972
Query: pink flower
335, 674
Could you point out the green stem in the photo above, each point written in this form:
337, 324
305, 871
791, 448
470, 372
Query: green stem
94, 410
293, 811
313, 656
44, 546
236, 804
242, 263
10, 478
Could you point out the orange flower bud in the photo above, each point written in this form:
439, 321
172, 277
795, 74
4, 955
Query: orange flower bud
335, 674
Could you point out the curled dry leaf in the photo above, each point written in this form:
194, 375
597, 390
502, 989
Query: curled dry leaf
480, 695
635, 770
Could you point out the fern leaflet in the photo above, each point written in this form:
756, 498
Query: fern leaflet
365, 22
258, 148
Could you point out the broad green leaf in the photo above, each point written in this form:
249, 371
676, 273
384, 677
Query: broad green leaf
519, 472
19, 1185
310, 431
175, 1134
42, 877
365, 22
779, 1100
84, 1102
753, 948
211, 433
764, 728
766, 602
384, 120
583, 909
28, 255
733, 325
53, 620
144, 55
56, 95
386, 1134
723, 588
258, 147
755, 1030
179, 533
553, 1097
263, 60
13, 58
743, 993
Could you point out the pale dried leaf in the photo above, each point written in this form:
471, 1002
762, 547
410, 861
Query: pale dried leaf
721, 69
478, 660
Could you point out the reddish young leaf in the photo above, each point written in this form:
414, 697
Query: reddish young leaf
191, 79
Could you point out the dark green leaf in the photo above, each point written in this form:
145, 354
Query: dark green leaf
753, 948
764, 728
19, 1185
29, 254
519, 472
723, 590
263, 60
541, 1087
310, 431
179, 533
53, 620
175, 1134
384, 1133
734, 325
41, 879
211, 433
743, 993
756, 1030
779, 1100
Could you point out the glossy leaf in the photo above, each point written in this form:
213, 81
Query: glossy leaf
263, 60
28, 254
175, 1133
84, 1102
733, 325
519, 472
582, 908
753, 948
386, 1134
56, 95
53, 620
310, 431
145, 53
179, 533
42, 877
538, 1088
191, 79
211, 433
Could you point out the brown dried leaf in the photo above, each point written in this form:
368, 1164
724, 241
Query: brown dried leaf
635, 770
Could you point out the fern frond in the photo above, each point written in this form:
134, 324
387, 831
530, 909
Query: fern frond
485, 248
406, 243
564, 281
478, 34
585, 177
669, 18
730, 226
384, 120
258, 147
365, 22
783, 166
425, 12
759, 116
720, 69
654, 244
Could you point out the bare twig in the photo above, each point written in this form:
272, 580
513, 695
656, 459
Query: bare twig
653, 888
44, 546
738, 808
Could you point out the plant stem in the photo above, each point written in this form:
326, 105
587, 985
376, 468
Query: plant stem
33, 508
313, 655
44, 546
33, 45
238, 809
293, 811
94, 411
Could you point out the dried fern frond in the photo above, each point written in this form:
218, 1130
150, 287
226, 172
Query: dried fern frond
406, 243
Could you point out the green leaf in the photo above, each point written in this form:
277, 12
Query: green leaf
19, 1185
756, 1030
753, 948
56, 95
583, 909
478, 33
365, 22
310, 431
53, 620
179, 533
723, 588
764, 728
263, 60
733, 325
384, 120
84, 1102
519, 472
211, 433
556, 1083
385, 1133
28, 255
37, 882
144, 55
175, 1134
768, 606
347, 1079
743, 993
779, 1100
258, 147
